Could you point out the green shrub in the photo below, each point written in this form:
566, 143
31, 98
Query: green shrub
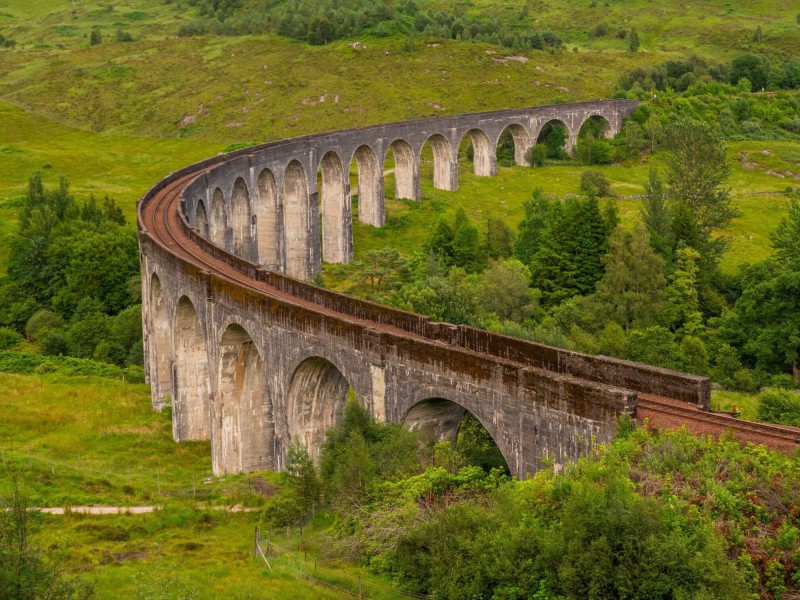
595, 183
54, 343
744, 381
9, 338
41, 322
779, 406
783, 381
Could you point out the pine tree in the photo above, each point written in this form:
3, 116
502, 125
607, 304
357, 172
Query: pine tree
696, 173
683, 301
440, 242
786, 239
499, 239
631, 291
467, 247
531, 228
655, 212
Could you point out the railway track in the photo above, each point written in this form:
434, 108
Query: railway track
667, 413
161, 218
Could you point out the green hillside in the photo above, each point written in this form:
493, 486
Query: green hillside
114, 94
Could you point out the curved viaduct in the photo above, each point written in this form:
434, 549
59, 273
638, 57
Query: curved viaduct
252, 356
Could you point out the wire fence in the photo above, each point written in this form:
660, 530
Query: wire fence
280, 558
102, 477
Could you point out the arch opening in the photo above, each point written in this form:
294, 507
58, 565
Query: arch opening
160, 376
442, 420
191, 410
268, 222
315, 402
201, 219
242, 408
591, 147
512, 146
405, 170
445, 169
337, 221
240, 220
554, 138
218, 221
370, 200
478, 150
297, 221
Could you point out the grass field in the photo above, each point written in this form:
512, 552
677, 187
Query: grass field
75, 441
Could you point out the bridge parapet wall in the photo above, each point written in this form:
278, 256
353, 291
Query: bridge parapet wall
601, 369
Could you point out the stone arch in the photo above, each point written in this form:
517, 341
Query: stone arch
544, 131
445, 169
297, 221
441, 419
593, 128
406, 171
160, 347
315, 401
191, 410
522, 141
483, 159
201, 218
218, 223
371, 205
268, 229
337, 220
243, 413
602, 126
241, 220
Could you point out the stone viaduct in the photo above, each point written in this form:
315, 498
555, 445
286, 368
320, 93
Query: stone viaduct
252, 356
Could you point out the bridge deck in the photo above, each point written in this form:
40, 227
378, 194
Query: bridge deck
161, 219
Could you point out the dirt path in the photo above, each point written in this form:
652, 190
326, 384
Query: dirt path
127, 510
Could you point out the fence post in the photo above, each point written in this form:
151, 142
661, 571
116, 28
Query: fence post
255, 544
158, 481
288, 544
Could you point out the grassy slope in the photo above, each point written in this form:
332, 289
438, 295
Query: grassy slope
95, 440
112, 118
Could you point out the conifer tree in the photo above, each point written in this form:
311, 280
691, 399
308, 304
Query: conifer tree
531, 228
631, 291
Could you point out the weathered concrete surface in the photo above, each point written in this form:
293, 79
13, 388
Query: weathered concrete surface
255, 361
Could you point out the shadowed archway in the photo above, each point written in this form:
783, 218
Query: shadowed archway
218, 222
242, 408
240, 220
371, 209
406, 171
512, 146
160, 375
297, 221
201, 219
315, 402
337, 220
268, 222
483, 161
445, 168
443, 420
191, 410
